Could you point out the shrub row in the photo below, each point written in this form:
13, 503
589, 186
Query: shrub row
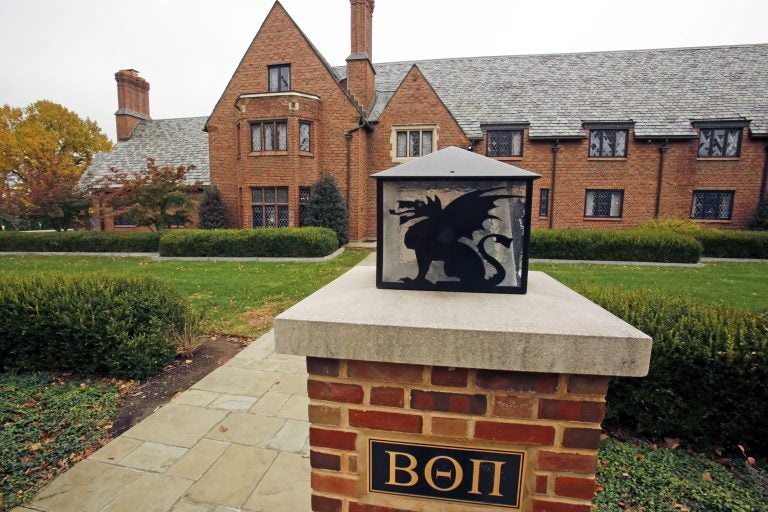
723, 243
708, 371
95, 325
264, 242
79, 241
623, 245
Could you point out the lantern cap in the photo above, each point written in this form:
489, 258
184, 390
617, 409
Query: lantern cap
453, 162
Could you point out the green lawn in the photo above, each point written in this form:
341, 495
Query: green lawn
740, 285
237, 298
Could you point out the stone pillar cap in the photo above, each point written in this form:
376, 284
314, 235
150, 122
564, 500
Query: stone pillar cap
549, 329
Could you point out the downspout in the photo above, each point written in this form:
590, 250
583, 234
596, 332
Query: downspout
348, 137
662, 151
555, 149
764, 183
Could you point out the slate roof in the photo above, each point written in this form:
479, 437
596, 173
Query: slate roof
172, 142
661, 91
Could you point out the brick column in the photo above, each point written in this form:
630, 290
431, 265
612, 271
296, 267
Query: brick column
498, 396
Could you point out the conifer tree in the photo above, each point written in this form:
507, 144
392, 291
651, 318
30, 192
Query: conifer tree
212, 214
326, 208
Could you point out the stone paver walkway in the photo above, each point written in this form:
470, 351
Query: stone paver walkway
236, 441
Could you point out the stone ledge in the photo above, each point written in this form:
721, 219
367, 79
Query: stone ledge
550, 329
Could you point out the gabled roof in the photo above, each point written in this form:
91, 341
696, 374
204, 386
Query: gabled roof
661, 91
171, 142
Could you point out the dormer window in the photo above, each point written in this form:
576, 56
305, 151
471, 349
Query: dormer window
607, 143
280, 78
719, 142
503, 143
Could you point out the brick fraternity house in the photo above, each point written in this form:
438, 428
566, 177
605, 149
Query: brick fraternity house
619, 138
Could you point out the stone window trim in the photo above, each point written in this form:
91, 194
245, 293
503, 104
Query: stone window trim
607, 143
279, 78
604, 204
272, 133
306, 146
712, 205
719, 142
516, 144
412, 128
544, 202
270, 207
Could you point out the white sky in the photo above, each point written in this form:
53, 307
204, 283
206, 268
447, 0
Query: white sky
67, 51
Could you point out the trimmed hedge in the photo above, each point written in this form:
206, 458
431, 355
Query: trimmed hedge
259, 242
95, 325
708, 373
723, 243
624, 245
79, 241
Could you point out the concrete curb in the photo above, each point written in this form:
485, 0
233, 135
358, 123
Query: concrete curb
156, 257
732, 260
623, 263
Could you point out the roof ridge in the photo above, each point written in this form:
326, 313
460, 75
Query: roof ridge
596, 52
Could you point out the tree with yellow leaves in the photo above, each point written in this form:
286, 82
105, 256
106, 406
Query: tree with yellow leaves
44, 149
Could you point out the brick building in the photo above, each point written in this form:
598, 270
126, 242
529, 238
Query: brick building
619, 138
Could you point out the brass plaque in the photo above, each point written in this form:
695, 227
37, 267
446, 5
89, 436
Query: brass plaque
467, 475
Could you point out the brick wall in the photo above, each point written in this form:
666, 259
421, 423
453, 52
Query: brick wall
554, 419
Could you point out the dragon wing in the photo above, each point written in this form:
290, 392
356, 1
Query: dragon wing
467, 213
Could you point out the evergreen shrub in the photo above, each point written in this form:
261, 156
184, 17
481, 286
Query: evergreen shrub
79, 241
615, 245
708, 372
212, 213
94, 325
726, 243
326, 208
259, 242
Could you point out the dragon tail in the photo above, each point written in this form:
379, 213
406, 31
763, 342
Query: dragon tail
500, 272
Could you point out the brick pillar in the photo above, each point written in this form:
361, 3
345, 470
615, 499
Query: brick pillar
430, 375
361, 77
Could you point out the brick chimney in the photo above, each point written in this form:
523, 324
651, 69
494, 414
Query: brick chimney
361, 78
132, 101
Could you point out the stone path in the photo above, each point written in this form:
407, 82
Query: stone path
236, 441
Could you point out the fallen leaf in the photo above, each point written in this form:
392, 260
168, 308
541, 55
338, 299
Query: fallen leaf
223, 429
672, 442
625, 474
707, 476
36, 447
599, 488
30, 403
751, 461
188, 361
640, 456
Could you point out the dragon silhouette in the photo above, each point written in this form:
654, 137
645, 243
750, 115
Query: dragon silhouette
438, 236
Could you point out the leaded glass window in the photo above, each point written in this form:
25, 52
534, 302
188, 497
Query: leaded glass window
543, 202
280, 78
604, 203
505, 143
305, 130
413, 143
719, 142
270, 207
305, 193
712, 204
606, 143
269, 136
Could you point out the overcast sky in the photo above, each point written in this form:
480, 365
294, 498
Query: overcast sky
67, 51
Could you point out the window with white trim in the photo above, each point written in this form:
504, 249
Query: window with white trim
604, 203
712, 204
413, 142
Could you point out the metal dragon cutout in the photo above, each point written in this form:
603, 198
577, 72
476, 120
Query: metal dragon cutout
445, 234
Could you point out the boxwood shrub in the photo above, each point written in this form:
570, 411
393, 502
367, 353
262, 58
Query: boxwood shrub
79, 241
724, 243
708, 373
264, 242
615, 245
94, 325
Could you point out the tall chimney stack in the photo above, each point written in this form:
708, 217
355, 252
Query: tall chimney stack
132, 102
361, 77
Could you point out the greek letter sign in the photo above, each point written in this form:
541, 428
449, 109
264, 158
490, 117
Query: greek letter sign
484, 477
